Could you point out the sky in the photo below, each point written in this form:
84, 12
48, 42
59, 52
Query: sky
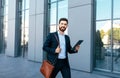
104, 12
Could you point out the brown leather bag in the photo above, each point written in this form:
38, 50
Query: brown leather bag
46, 69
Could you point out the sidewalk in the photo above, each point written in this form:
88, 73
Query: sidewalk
22, 68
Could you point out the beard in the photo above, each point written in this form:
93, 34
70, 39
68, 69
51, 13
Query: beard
62, 29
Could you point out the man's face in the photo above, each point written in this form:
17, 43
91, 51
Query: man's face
63, 26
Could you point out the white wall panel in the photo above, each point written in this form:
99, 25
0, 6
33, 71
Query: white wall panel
39, 37
73, 3
80, 28
32, 40
39, 6
32, 8
12, 9
36, 30
10, 50
11, 38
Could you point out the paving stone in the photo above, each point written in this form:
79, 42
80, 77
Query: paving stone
22, 68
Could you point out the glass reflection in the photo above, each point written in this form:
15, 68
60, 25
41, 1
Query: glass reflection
3, 25
27, 4
24, 28
103, 11
2, 11
23, 4
6, 10
116, 45
26, 18
108, 32
6, 2
62, 9
23, 14
57, 10
52, 0
116, 9
102, 44
2, 3
53, 12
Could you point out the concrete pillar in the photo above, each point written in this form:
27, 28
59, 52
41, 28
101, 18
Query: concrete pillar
36, 22
80, 25
10, 50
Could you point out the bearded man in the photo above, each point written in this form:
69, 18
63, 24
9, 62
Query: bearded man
57, 46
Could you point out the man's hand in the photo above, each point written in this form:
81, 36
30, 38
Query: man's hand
77, 47
58, 49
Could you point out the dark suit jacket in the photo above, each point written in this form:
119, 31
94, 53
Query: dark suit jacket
51, 44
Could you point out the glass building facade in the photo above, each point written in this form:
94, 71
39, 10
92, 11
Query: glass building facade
97, 22
24, 24
3, 24
55, 12
107, 45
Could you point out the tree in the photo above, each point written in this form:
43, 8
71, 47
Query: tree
115, 34
102, 34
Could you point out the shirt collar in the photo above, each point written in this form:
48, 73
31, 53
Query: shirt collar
59, 33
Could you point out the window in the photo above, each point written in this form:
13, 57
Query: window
56, 11
23, 14
3, 24
107, 35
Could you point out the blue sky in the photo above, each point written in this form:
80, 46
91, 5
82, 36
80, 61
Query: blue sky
104, 9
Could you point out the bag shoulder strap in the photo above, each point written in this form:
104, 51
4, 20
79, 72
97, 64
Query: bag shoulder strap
56, 38
58, 44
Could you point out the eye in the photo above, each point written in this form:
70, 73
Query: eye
62, 23
65, 24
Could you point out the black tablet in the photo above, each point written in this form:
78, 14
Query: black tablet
78, 43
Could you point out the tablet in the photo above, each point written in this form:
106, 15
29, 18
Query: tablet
78, 43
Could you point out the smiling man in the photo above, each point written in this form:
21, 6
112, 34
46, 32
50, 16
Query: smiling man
57, 46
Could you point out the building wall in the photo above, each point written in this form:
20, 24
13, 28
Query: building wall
0, 29
10, 51
80, 24
78, 10
36, 21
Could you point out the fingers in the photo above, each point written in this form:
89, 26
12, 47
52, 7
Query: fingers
58, 46
58, 49
77, 47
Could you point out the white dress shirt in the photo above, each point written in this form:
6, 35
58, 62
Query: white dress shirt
62, 54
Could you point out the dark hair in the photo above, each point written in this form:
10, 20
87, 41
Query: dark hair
63, 19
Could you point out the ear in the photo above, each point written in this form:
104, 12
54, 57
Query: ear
66, 26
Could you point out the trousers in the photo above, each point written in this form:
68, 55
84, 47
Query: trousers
62, 65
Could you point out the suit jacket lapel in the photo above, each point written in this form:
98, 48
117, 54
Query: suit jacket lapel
57, 37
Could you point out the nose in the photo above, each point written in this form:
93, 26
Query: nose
63, 25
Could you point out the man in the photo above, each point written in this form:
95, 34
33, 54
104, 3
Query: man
57, 45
